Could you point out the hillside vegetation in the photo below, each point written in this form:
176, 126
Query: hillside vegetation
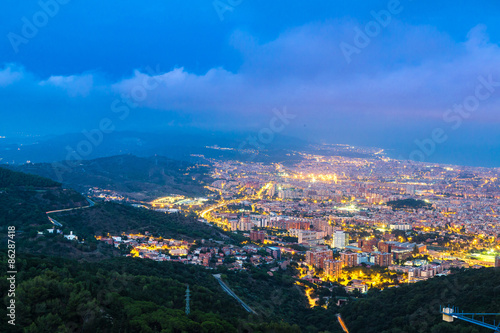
25, 198
415, 308
408, 204
114, 218
136, 177
138, 295
124, 295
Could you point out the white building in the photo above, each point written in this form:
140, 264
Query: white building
308, 237
403, 227
71, 236
340, 240
259, 221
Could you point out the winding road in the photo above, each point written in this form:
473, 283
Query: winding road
54, 222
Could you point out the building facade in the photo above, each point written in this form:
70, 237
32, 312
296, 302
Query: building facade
340, 239
333, 268
349, 259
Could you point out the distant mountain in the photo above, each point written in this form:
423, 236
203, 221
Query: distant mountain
179, 144
135, 177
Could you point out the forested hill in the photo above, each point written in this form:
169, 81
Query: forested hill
25, 198
115, 219
415, 308
10, 179
123, 295
135, 177
409, 204
137, 295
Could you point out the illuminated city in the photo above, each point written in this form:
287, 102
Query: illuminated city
360, 222
233, 166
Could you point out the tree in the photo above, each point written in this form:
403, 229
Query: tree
415, 250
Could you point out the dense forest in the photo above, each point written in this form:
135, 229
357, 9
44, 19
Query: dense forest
124, 295
114, 218
415, 308
137, 177
278, 297
25, 198
140, 295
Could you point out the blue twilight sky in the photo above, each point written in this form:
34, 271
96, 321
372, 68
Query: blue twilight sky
225, 65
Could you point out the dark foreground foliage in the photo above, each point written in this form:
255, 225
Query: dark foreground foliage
122, 295
415, 308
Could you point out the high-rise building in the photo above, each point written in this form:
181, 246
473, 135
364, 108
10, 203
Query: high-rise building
257, 236
259, 221
349, 259
340, 239
245, 224
275, 252
410, 189
272, 191
383, 259
333, 268
317, 258
234, 224
309, 257
385, 247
